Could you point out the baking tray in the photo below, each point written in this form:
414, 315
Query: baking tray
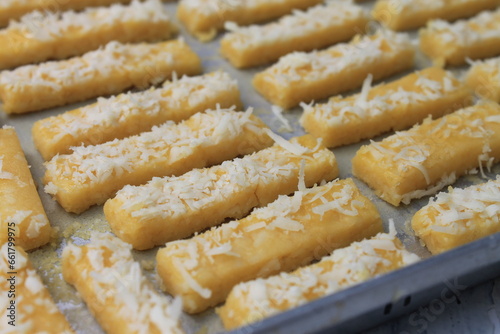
351, 310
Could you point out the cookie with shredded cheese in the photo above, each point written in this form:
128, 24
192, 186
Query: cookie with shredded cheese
454, 43
459, 216
129, 114
204, 18
394, 106
303, 77
92, 174
21, 211
288, 233
484, 78
116, 291
316, 28
411, 14
173, 208
261, 298
34, 308
430, 156
109, 70
40, 36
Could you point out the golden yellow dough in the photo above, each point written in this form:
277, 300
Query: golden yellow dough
203, 18
286, 234
458, 217
171, 208
40, 36
106, 71
393, 106
25, 297
132, 113
405, 15
430, 156
484, 78
316, 28
92, 174
115, 290
21, 211
453, 43
261, 298
303, 77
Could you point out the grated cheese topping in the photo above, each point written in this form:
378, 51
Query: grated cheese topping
482, 27
417, 6
92, 165
48, 26
316, 65
34, 223
300, 23
4, 175
285, 215
339, 111
117, 280
343, 268
173, 98
456, 211
490, 66
219, 7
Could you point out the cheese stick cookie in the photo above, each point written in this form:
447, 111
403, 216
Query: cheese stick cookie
430, 156
26, 305
405, 15
288, 233
106, 71
484, 78
21, 211
40, 36
132, 113
173, 208
116, 291
203, 18
302, 77
315, 28
453, 43
92, 174
261, 298
458, 217
394, 106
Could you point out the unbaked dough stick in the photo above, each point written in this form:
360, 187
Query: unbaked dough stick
116, 291
430, 156
458, 217
261, 298
171, 208
132, 113
21, 209
92, 174
109, 70
393, 106
286, 234
303, 77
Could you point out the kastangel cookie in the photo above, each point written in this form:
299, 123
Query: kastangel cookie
116, 291
484, 78
39, 36
430, 156
261, 298
172, 208
458, 217
404, 15
109, 70
453, 43
34, 309
394, 106
203, 18
133, 113
92, 174
288, 233
21, 211
302, 77
318, 27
